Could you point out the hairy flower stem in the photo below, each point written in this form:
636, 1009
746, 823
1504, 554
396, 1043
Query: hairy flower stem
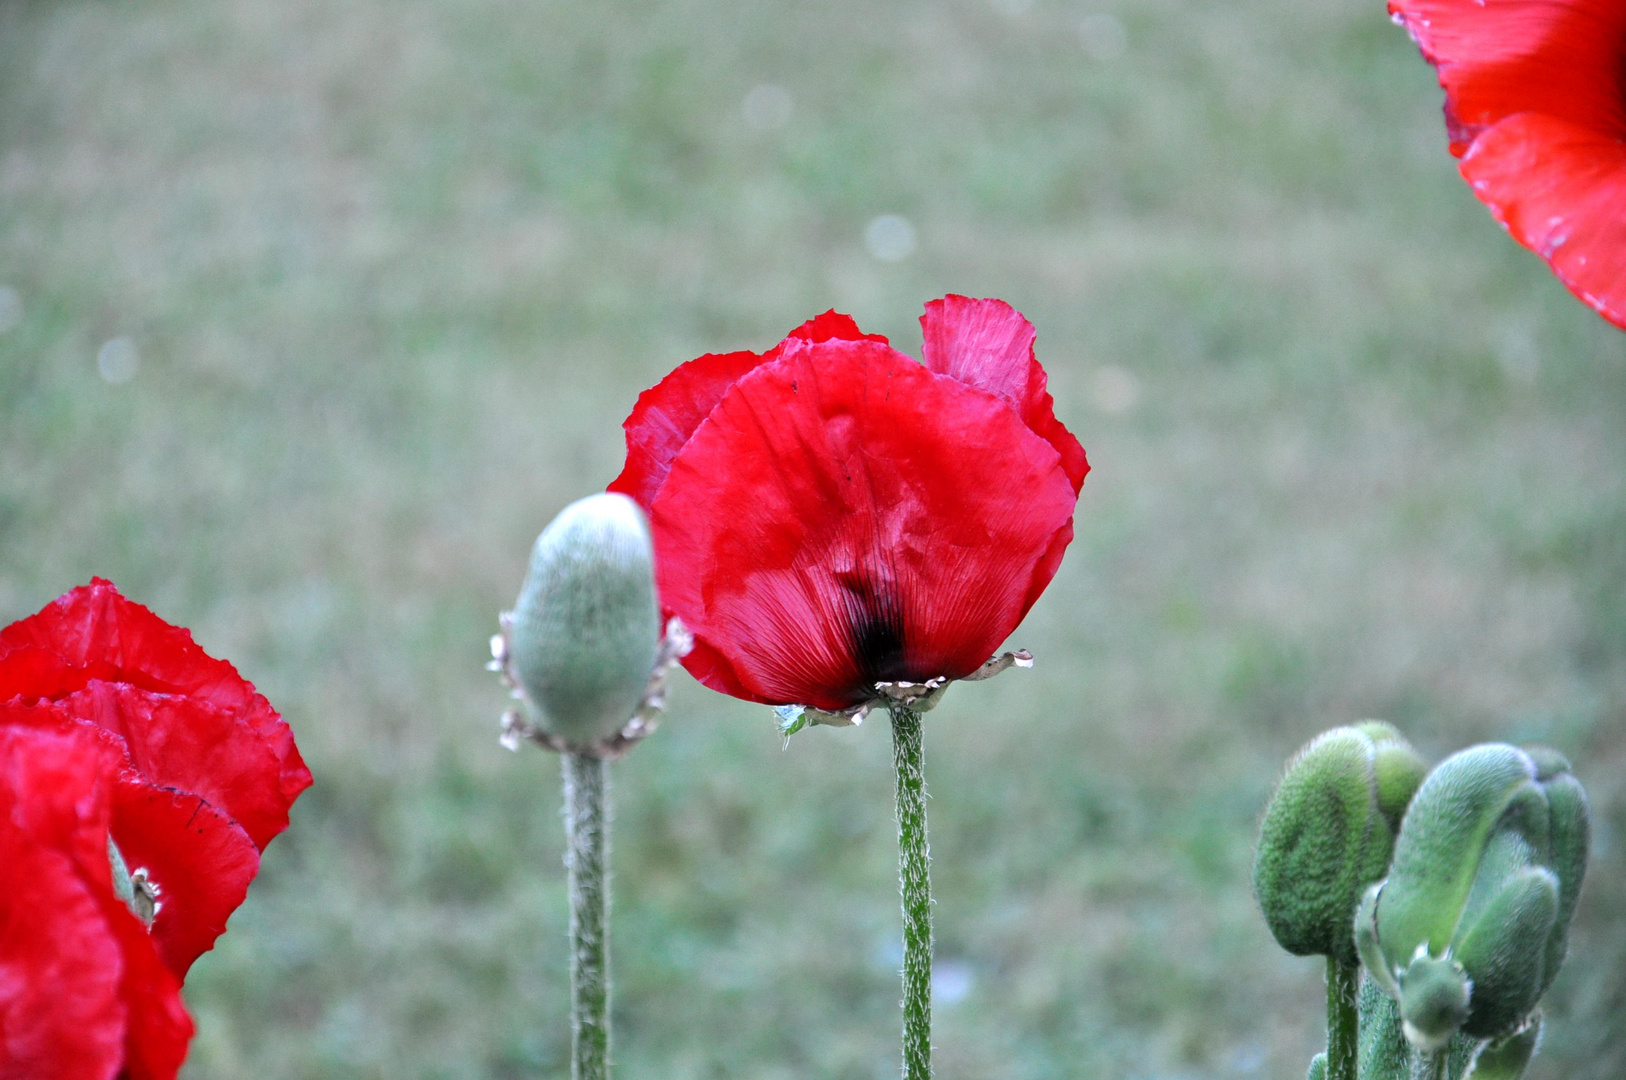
587, 856
914, 878
1428, 1065
1343, 981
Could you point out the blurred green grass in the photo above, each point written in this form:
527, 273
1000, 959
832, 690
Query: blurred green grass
396, 272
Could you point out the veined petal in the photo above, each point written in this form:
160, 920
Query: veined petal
989, 344
845, 516
1560, 190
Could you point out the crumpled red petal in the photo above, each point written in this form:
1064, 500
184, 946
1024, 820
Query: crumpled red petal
844, 515
201, 861
93, 633
667, 414
1536, 109
989, 344
83, 993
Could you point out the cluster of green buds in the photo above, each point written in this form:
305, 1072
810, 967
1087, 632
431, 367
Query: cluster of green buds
1454, 891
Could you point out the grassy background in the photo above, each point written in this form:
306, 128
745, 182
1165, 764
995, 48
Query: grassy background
395, 272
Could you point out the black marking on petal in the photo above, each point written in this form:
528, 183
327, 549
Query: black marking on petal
875, 630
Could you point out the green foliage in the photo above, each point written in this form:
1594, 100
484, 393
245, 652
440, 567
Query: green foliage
1327, 834
584, 631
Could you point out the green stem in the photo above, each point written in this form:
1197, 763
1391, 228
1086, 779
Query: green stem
914, 878
1428, 1065
587, 856
1343, 1018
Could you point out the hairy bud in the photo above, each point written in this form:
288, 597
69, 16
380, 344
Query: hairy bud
1328, 832
582, 639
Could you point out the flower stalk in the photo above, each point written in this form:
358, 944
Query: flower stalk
1429, 1064
587, 854
914, 880
1343, 1018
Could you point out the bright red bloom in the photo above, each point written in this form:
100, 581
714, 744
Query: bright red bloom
832, 514
83, 992
1535, 106
207, 772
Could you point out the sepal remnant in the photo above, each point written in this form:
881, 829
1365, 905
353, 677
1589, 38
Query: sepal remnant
917, 696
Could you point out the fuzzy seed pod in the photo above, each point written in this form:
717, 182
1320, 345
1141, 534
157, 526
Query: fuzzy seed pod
583, 634
1328, 832
1469, 928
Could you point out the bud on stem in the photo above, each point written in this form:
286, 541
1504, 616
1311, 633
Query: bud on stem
1469, 928
1327, 834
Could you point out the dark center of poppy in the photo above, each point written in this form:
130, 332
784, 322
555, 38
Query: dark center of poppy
875, 633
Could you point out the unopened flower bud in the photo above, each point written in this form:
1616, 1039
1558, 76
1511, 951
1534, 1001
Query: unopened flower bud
1468, 929
1328, 832
583, 635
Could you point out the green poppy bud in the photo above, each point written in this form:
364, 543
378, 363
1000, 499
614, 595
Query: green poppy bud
1318, 1067
582, 638
1468, 929
1328, 832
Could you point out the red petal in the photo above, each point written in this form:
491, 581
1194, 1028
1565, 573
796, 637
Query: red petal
989, 344
192, 746
1561, 192
845, 515
82, 991
60, 1009
95, 633
1495, 59
200, 860
667, 414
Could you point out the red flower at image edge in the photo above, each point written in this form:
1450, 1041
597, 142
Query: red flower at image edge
832, 514
203, 772
1535, 107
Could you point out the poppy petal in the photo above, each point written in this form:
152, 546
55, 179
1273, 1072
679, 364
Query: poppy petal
61, 1013
845, 516
201, 861
668, 413
192, 746
989, 344
83, 992
1558, 57
1561, 191
96, 633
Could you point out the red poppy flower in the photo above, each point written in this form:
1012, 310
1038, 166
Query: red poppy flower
832, 514
83, 992
207, 771
1535, 107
